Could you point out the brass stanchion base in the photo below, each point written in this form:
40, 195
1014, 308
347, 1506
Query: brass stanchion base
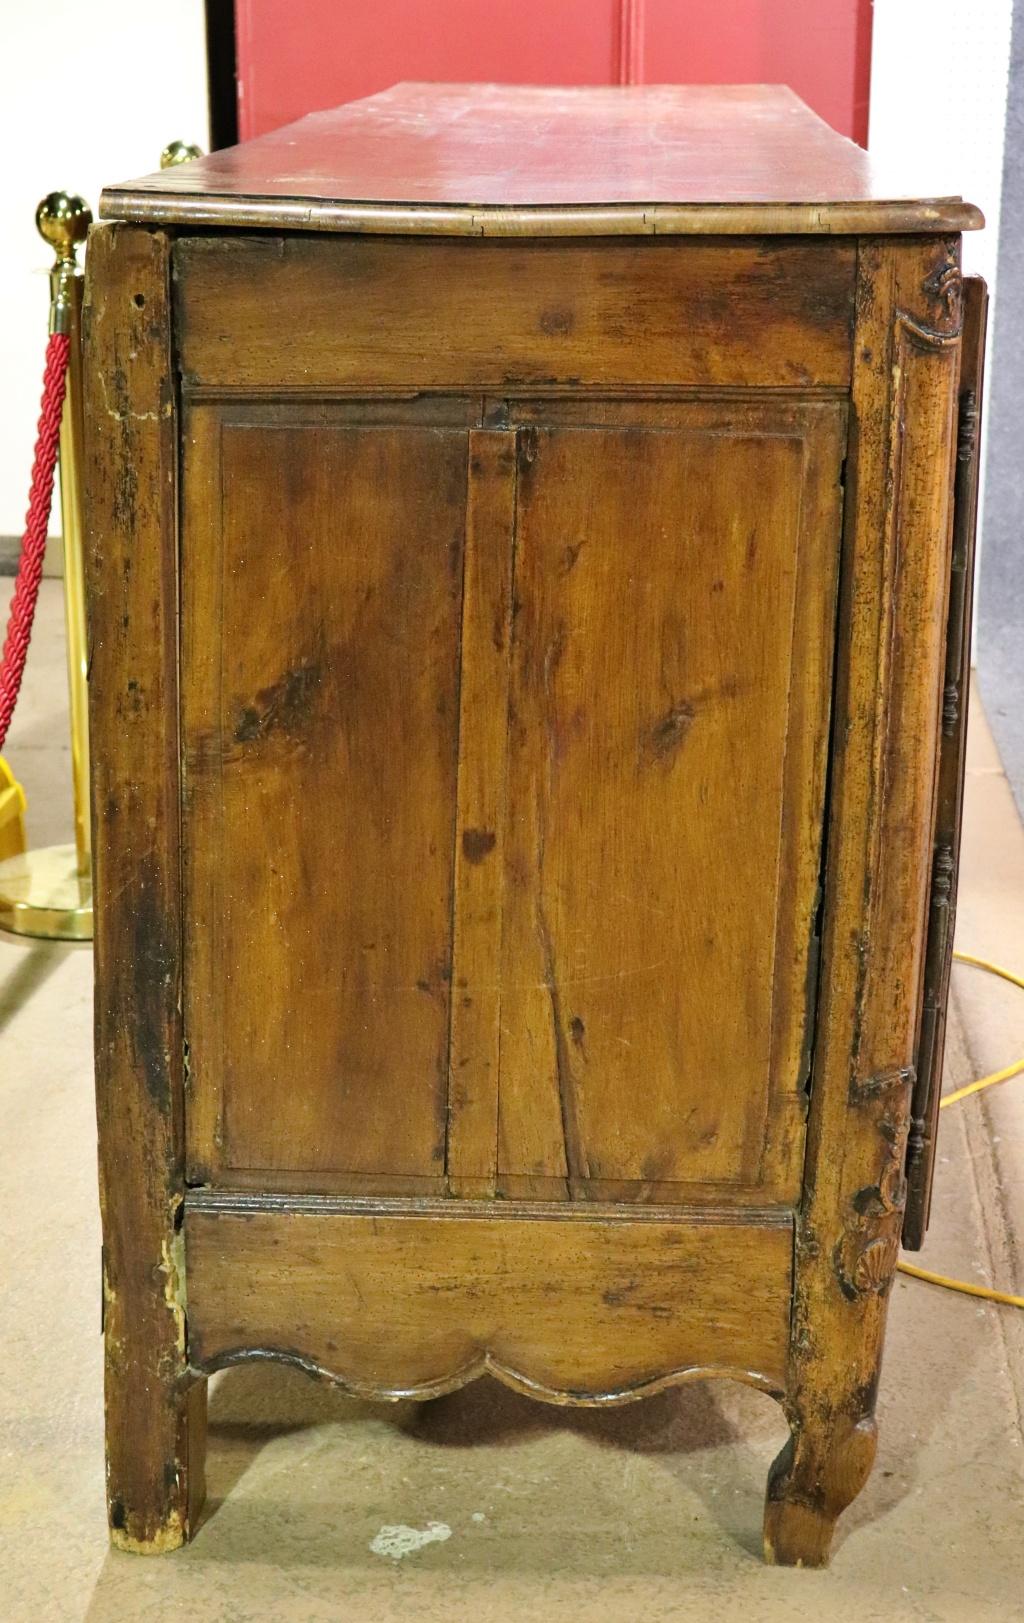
43, 894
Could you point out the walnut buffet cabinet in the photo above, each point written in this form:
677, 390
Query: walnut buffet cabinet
530, 554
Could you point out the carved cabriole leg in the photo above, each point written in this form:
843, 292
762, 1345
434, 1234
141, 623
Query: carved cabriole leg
892, 620
155, 1415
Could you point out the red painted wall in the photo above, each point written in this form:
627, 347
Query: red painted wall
820, 48
298, 55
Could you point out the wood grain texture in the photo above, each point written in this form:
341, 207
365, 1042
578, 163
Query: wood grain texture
535, 160
475, 1045
892, 625
669, 703
416, 1303
585, 814
154, 1423
378, 313
921, 1146
468, 936
322, 584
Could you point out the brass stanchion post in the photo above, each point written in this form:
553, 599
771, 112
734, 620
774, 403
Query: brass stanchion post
49, 892
176, 152
63, 222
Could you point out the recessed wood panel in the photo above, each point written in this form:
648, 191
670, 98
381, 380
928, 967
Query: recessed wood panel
322, 568
670, 669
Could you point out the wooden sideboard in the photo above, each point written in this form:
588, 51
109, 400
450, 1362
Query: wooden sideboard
529, 585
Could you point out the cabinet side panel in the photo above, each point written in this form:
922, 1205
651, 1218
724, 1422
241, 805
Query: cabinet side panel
322, 582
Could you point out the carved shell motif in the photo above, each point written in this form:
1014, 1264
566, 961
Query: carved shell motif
943, 288
876, 1264
867, 1254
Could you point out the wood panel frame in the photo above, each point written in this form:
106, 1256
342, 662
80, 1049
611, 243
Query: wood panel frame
921, 1144
434, 314
892, 635
155, 1410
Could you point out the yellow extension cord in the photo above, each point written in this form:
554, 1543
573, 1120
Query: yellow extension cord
1004, 1075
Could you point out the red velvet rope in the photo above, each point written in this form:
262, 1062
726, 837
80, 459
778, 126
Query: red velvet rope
33, 546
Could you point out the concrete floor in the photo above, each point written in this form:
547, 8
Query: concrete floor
650, 1512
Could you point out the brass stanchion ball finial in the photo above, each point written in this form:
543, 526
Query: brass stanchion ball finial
47, 892
63, 220
179, 152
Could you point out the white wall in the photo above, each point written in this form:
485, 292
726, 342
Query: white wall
89, 94
939, 77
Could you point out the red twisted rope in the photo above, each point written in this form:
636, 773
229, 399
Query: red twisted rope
33, 546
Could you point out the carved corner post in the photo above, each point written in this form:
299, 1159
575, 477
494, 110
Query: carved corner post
155, 1415
950, 776
892, 628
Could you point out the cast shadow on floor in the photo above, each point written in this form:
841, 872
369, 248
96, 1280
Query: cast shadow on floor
717, 1436
301, 1477
249, 1406
38, 960
742, 1428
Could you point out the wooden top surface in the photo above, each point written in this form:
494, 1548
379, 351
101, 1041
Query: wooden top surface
532, 160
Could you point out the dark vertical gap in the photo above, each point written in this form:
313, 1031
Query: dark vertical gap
222, 73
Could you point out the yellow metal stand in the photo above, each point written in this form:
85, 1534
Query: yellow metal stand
49, 892
12, 813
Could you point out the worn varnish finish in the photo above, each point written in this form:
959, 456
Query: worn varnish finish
319, 748
511, 970
516, 160
415, 1301
155, 1417
568, 313
950, 784
525, 756
907, 351
670, 677
476, 1009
